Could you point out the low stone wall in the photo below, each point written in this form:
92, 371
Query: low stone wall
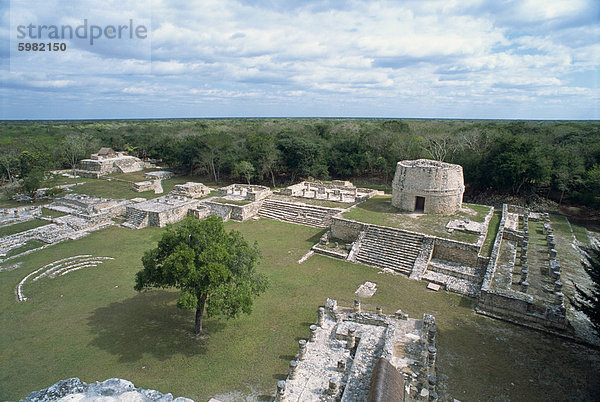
454, 251
163, 218
238, 213
345, 229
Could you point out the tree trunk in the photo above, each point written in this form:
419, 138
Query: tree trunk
199, 314
272, 177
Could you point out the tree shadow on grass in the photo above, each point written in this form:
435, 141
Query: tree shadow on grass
148, 323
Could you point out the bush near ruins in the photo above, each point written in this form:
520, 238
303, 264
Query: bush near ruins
212, 269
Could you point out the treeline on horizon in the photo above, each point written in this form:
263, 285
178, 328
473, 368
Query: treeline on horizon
559, 160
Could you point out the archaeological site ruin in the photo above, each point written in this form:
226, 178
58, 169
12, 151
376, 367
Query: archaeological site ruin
354, 355
428, 186
107, 161
350, 354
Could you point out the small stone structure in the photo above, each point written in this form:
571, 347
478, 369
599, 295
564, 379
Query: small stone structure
191, 190
107, 161
114, 389
428, 186
89, 207
341, 359
154, 185
245, 192
337, 191
159, 211
10, 216
522, 281
159, 174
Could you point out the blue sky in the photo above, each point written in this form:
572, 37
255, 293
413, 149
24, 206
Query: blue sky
522, 59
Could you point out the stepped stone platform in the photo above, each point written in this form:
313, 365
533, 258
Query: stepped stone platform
341, 360
301, 214
159, 211
389, 248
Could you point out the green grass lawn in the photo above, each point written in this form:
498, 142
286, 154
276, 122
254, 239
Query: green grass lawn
490, 237
21, 227
92, 324
379, 211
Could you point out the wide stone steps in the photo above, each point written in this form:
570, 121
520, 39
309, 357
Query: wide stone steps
308, 215
389, 248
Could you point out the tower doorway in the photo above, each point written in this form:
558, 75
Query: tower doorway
420, 204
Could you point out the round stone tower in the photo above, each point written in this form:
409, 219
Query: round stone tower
428, 186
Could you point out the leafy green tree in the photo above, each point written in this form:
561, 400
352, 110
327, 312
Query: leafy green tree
244, 170
75, 147
32, 181
211, 268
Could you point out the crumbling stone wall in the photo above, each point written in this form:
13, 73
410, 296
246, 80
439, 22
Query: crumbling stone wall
440, 184
248, 192
345, 229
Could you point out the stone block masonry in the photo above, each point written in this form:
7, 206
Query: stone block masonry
159, 211
428, 186
338, 361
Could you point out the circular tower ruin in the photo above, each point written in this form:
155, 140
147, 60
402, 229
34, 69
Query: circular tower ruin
428, 186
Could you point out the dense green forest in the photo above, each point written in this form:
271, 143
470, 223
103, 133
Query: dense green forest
559, 160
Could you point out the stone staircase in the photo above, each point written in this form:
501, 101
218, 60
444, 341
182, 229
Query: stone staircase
389, 248
136, 219
301, 214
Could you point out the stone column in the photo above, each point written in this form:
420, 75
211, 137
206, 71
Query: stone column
558, 286
351, 338
552, 253
524, 273
524, 286
432, 382
321, 316
559, 298
378, 310
431, 355
280, 390
357, 305
431, 335
313, 332
293, 365
333, 387
301, 349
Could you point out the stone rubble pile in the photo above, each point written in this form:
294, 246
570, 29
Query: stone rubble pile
114, 389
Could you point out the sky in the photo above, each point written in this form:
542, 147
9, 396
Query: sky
472, 59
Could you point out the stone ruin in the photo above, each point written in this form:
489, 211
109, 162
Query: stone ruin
154, 185
337, 191
159, 174
245, 192
85, 214
107, 161
522, 281
159, 211
428, 186
191, 190
60, 268
353, 355
10, 216
114, 389
89, 207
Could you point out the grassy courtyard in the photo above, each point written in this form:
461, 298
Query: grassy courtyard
379, 211
92, 324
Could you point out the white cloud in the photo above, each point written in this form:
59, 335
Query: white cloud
422, 52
